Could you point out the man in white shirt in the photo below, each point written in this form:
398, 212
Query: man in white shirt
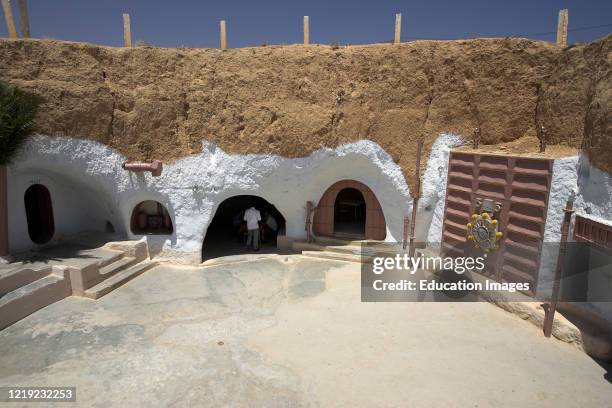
252, 218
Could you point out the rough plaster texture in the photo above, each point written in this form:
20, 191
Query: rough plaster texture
593, 199
562, 185
192, 188
431, 204
154, 103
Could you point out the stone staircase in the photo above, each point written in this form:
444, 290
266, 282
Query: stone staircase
116, 274
341, 250
26, 287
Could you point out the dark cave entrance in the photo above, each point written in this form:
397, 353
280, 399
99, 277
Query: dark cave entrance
227, 232
350, 214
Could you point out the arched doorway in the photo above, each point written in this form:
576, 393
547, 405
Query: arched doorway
151, 218
226, 233
350, 213
39, 214
343, 213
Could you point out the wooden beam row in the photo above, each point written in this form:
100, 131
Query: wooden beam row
562, 26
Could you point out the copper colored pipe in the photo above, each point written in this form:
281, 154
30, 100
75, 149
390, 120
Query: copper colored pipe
551, 307
155, 167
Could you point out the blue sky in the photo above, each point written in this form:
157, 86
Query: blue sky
192, 23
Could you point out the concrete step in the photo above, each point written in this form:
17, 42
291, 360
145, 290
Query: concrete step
110, 259
299, 246
21, 275
29, 298
113, 282
340, 241
373, 249
349, 249
117, 266
337, 256
233, 259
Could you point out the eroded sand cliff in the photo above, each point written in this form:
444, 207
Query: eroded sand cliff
155, 103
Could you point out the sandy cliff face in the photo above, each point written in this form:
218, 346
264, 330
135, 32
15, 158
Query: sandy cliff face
161, 103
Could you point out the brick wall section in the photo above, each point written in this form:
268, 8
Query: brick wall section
596, 233
323, 222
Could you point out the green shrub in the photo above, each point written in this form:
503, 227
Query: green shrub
17, 119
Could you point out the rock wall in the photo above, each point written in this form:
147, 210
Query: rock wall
154, 103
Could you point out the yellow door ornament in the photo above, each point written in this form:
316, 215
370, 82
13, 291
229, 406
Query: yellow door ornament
483, 229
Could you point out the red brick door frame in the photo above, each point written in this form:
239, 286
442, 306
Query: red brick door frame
323, 220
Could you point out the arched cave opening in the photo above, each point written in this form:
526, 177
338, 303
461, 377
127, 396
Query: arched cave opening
227, 232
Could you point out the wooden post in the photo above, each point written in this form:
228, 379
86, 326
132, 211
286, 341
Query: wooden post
8, 16
127, 32
223, 35
4, 242
23, 19
405, 233
551, 307
416, 194
310, 209
562, 27
476, 138
542, 137
398, 28
306, 30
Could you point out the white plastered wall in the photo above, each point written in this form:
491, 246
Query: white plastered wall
593, 199
433, 194
89, 187
76, 207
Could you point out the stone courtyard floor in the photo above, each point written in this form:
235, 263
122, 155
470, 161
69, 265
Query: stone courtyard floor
289, 331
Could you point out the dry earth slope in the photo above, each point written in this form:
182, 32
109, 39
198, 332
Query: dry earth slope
161, 103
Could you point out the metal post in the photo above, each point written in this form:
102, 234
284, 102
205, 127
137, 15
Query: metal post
127, 31
8, 16
476, 140
306, 30
415, 197
23, 18
551, 307
542, 137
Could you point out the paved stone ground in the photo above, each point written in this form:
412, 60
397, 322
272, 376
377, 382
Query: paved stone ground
289, 331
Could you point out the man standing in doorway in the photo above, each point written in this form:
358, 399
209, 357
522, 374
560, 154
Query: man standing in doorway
252, 218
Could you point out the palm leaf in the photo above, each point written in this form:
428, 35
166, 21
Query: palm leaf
17, 119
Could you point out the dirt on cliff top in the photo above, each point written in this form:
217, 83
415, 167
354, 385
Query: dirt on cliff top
527, 146
156, 103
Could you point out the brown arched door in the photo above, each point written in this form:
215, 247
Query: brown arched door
349, 209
